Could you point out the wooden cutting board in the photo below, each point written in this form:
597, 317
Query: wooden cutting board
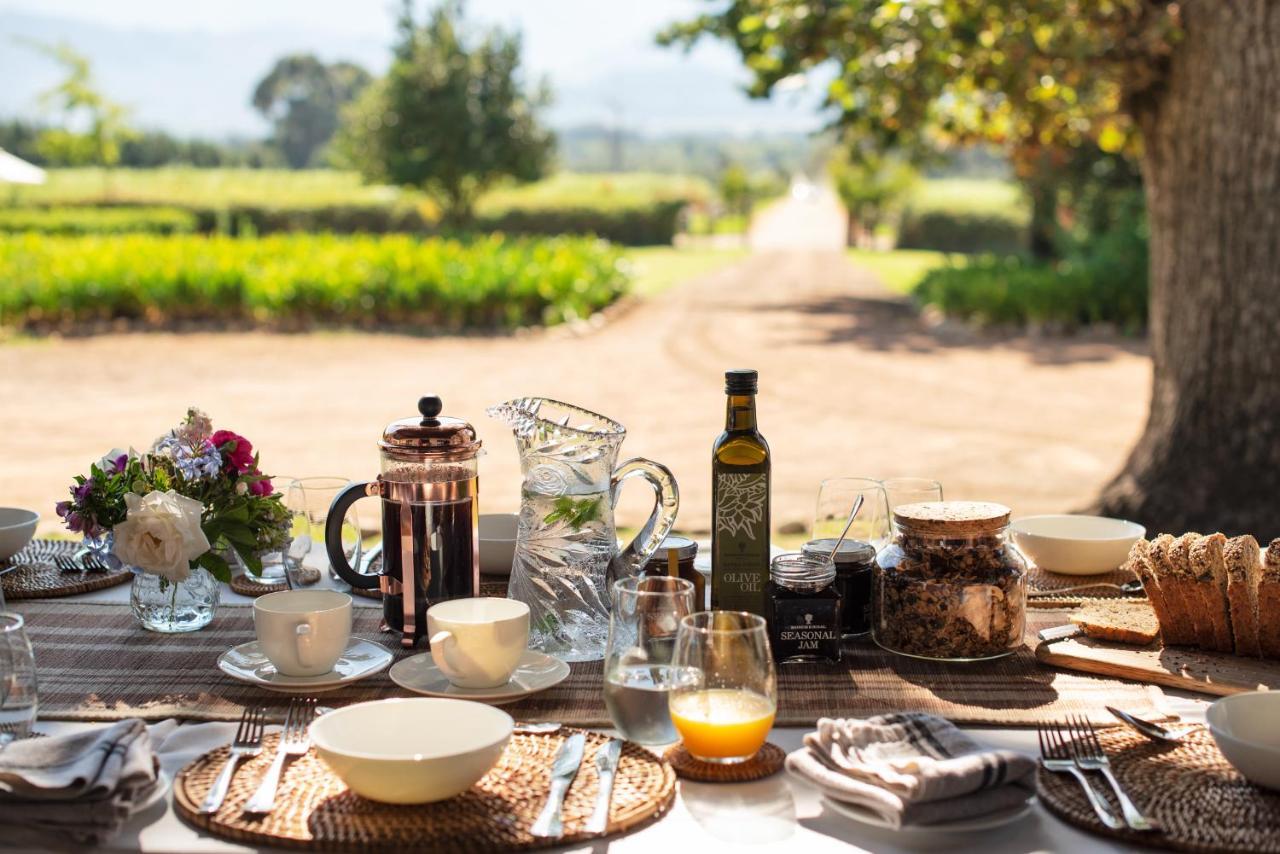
1214, 673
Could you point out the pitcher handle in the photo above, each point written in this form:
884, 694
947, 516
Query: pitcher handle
632, 557
333, 533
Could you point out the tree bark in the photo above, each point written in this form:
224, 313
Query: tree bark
1209, 458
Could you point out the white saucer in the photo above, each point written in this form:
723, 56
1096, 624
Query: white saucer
999, 818
536, 672
360, 659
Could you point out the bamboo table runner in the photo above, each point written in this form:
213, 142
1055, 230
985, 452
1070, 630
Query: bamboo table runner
96, 664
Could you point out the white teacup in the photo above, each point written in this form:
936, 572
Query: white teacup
477, 643
303, 632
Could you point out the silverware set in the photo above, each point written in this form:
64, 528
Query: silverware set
564, 770
87, 563
295, 740
1073, 748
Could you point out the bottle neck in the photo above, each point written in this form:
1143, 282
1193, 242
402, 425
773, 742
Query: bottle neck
740, 413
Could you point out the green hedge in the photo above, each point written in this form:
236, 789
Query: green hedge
80, 219
651, 224
957, 231
396, 281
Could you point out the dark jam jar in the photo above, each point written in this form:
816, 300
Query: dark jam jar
676, 556
853, 579
802, 607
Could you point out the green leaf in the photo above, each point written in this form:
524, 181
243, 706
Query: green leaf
217, 567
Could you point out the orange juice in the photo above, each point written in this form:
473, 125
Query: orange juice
722, 723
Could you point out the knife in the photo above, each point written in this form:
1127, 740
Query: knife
549, 823
606, 766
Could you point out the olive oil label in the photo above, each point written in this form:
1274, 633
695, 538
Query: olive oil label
741, 557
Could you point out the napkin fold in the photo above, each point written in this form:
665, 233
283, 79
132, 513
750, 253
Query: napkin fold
911, 769
79, 787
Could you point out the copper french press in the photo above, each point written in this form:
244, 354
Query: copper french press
430, 518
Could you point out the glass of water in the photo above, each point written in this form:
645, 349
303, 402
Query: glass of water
911, 490
308, 500
836, 497
17, 679
646, 615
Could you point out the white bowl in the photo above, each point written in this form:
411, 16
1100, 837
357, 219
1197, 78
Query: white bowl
411, 751
497, 542
1076, 545
17, 527
1247, 730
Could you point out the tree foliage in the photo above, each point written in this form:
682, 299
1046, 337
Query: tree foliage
81, 105
303, 98
452, 116
870, 186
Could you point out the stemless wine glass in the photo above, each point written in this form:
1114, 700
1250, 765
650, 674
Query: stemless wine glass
911, 490
309, 499
835, 501
725, 693
646, 616
17, 680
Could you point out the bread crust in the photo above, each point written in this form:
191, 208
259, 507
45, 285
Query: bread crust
1243, 561
1269, 603
1139, 564
1181, 627
1210, 573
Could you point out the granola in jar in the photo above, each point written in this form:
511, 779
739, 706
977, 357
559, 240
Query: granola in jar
950, 586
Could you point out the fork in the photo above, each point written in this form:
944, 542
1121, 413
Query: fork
1089, 756
1055, 756
295, 740
248, 742
1134, 586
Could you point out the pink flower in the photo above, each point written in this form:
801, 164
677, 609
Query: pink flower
237, 451
261, 488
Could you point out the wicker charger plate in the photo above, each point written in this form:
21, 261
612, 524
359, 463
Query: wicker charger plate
315, 810
1202, 803
36, 577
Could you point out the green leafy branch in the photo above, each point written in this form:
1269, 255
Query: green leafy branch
575, 512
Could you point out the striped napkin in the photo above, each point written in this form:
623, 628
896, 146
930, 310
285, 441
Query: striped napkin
911, 769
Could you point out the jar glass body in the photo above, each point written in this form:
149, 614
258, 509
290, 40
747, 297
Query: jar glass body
951, 598
172, 607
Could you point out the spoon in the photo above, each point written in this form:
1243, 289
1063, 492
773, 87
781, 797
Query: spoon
1134, 586
1155, 732
857, 505
537, 728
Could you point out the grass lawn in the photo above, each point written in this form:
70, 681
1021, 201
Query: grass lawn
658, 268
901, 269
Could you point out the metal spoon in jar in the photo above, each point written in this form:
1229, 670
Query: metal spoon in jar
857, 505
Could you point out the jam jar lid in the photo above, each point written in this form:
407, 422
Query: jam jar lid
951, 518
853, 552
431, 434
802, 572
685, 549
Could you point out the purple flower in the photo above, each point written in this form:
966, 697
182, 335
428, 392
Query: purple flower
63, 509
81, 492
118, 464
76, 522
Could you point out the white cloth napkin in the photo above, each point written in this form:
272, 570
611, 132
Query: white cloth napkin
911, 769
79, 787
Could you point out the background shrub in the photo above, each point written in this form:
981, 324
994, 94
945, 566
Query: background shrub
91, 220
961, 231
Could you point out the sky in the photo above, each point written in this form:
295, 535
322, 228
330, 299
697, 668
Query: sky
189, 67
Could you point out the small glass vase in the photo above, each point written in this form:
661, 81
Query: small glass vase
165, 606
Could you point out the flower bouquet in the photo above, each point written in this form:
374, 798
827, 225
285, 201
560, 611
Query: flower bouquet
177, 513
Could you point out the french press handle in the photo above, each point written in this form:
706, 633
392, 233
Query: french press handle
333, 533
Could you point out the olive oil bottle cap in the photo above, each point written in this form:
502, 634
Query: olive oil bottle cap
740, 381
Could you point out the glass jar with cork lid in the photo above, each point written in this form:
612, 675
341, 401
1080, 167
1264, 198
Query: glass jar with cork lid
950, 586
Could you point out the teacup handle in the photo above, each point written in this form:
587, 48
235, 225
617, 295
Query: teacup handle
303, 634
439, 641
632, 557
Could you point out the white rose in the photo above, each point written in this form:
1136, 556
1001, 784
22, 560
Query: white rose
161, 534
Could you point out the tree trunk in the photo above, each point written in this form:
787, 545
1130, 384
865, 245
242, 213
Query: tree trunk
1209, 458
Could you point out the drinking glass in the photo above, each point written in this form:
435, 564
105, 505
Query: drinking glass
308, 500
835, 502
911, 490
646, 616
725, 693
17, 680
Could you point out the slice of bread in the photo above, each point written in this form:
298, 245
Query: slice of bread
1180, 628
1269, 603
1244, 566
1119, 620
1139, 564
1211, 578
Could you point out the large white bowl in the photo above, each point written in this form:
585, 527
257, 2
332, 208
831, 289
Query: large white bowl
411, 751
1247, 730
1075, 545
497, 542
17, 527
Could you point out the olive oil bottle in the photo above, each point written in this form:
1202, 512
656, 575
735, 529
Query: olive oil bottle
740, 502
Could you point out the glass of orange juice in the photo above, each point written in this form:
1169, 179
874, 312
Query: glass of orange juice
726, 694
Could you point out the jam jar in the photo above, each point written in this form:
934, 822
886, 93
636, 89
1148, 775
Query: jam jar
853, 579
802, 608
676, 556
950, 586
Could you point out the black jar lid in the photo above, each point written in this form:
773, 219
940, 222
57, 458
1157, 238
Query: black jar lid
797, 571
853, 552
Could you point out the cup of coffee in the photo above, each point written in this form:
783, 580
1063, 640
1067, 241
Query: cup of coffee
477, 643
303, 632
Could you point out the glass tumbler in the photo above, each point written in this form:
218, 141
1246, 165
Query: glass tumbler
835, 501
726, 694
308, 500
911, 490
17, 679
646, 616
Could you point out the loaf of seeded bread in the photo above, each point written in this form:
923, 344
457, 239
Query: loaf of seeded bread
1180, 627
1243, 573
1120, 620
1139, 564
1269, 603
1210, 573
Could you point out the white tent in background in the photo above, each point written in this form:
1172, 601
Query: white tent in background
15, 170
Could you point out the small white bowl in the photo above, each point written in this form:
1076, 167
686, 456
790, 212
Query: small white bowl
497, 542
1247, 730
411, 751
1076, 545
17, 527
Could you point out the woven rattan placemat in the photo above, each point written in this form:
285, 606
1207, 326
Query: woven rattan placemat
315, 810
1200, 801
36, 576
1042, 584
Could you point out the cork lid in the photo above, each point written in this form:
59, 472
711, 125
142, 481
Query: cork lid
951, 518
